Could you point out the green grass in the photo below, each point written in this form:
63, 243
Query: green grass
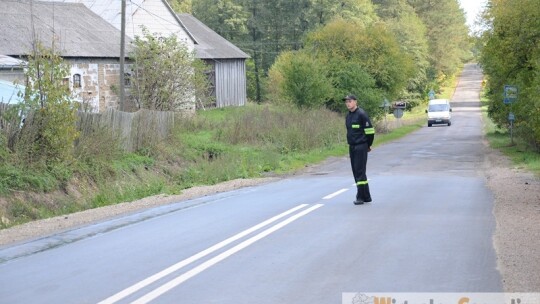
518, 151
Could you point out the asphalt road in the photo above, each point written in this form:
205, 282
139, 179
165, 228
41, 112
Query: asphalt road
299, 240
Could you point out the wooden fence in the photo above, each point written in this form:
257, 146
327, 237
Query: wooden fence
135, 130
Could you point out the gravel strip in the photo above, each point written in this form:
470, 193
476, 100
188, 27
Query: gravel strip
517, 234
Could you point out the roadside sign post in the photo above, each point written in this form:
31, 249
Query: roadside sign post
385, 105
399, 108
510, 96
511, 118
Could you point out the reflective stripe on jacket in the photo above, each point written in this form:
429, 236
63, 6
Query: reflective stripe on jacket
359, 128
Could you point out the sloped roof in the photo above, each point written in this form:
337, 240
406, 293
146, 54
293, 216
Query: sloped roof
78, 31
210, 45
10, 62
156, 15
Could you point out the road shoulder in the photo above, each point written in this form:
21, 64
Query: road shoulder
517, 212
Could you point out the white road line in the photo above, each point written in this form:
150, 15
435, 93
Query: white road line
193, 272
334, 194
134, 288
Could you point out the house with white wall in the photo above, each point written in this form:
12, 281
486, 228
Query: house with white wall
226, 61
86, 42
87, 35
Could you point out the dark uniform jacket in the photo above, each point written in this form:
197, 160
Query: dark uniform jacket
359, 128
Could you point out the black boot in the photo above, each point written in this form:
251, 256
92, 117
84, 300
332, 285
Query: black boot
363, 193
358, 200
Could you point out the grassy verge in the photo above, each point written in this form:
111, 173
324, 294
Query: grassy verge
519, 152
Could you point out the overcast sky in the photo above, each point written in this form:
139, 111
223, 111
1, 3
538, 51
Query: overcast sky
472, 8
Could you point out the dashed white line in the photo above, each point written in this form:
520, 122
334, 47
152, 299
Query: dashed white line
334, 194
134, 288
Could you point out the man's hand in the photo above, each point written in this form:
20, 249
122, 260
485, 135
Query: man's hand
369, 149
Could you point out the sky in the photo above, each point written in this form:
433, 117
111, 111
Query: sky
472, 8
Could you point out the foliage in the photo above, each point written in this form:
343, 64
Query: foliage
228, 18
411, 34
342, 58
432, 32
181, 6
264, 29
520, 153
49, 112
447, 35
304, 79
167, 76
511, 56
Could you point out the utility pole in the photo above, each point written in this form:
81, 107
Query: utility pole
122, 55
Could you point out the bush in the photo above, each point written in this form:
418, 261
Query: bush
304, 80
158, 63
49, 130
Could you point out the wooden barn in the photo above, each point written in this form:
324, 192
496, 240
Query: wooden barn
227, 62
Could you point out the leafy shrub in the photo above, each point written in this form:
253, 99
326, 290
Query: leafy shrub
304, 80
49, 130
158, 64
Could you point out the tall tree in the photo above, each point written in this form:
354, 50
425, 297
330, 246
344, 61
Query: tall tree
410, 32
226, 17
447, 35
511, 56
264, 29
181, 6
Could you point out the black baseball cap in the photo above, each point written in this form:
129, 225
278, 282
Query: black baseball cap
349, 97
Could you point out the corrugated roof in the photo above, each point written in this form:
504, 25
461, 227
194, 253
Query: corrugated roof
78, 31
10, 62
210, 45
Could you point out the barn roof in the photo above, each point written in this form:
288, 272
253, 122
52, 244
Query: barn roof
210, 45
77, 31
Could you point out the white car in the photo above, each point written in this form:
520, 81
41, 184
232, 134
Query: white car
439, 112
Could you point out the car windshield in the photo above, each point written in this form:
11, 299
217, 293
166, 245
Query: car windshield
438, 108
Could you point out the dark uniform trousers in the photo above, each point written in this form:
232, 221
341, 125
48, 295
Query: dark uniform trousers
359, 155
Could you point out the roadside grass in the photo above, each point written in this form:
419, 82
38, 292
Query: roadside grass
520, 153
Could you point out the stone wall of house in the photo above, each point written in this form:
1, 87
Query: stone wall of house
98, 90
100, 84
109, 85
88, 92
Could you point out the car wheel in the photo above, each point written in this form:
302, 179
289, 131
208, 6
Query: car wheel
449, 124
429, 125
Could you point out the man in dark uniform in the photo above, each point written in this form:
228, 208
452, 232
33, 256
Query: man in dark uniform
360, 135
